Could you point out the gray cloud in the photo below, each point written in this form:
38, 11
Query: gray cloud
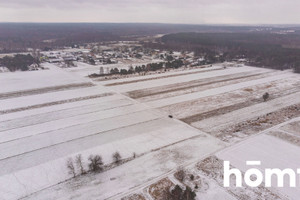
168, 11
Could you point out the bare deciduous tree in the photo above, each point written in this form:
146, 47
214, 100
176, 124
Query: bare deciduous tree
117, 157
79, 164
71, 167
266, 96
95, 163
180, 174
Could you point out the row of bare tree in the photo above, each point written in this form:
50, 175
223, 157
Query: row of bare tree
95, 164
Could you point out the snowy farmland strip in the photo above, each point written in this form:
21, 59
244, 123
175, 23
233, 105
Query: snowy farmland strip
160, 77
162, 74
230, 108
31, 80
194, 86
75, 132
182, 79
61, 114
65, 122
266, 149
54, 103
44, 90
212, 124
161, 161
132, 138
61, 107
27, 101
215, 91
203, 105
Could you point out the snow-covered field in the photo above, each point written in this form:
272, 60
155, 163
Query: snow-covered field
84, 69
272, 152
133, 175
256, 110
173, 125
50, 77
179, 79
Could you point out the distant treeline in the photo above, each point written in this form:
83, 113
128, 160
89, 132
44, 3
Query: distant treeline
175, 64
17, 62
18, 37
277, 51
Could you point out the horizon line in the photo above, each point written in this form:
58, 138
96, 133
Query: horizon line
200, 24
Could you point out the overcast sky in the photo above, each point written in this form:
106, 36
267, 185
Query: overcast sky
163, 11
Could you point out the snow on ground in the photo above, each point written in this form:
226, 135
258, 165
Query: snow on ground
42, 131
166, 91
133, 174
206, 188
180, 79
39, 140
191, 111
54, 76
56, 109
293, 128
84, 69
64, 121
213, 123
272, 152
215, 91
215, 192
26, 101
139, 78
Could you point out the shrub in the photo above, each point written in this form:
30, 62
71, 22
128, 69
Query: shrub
192, 177
96, 163
71, 168
266, 96
79, 164
180, 174
117, 157
179, 194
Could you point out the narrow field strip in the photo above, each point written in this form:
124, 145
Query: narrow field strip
44, 90
62, 114
54, 103
52, 138
215, 91
271, 151
137, 78
252, 112
293, 128
160, 162
34, 80
244, 128
61, 107
231, 108
45, 127
202, 88
285, 136
137, 94
212, 168
181, 79
26, 101
132, 138
222, 101
161, 77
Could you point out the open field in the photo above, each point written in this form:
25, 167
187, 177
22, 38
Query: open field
191, 86
52, 76
276, 154
156, 122
134, 175
40, 131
